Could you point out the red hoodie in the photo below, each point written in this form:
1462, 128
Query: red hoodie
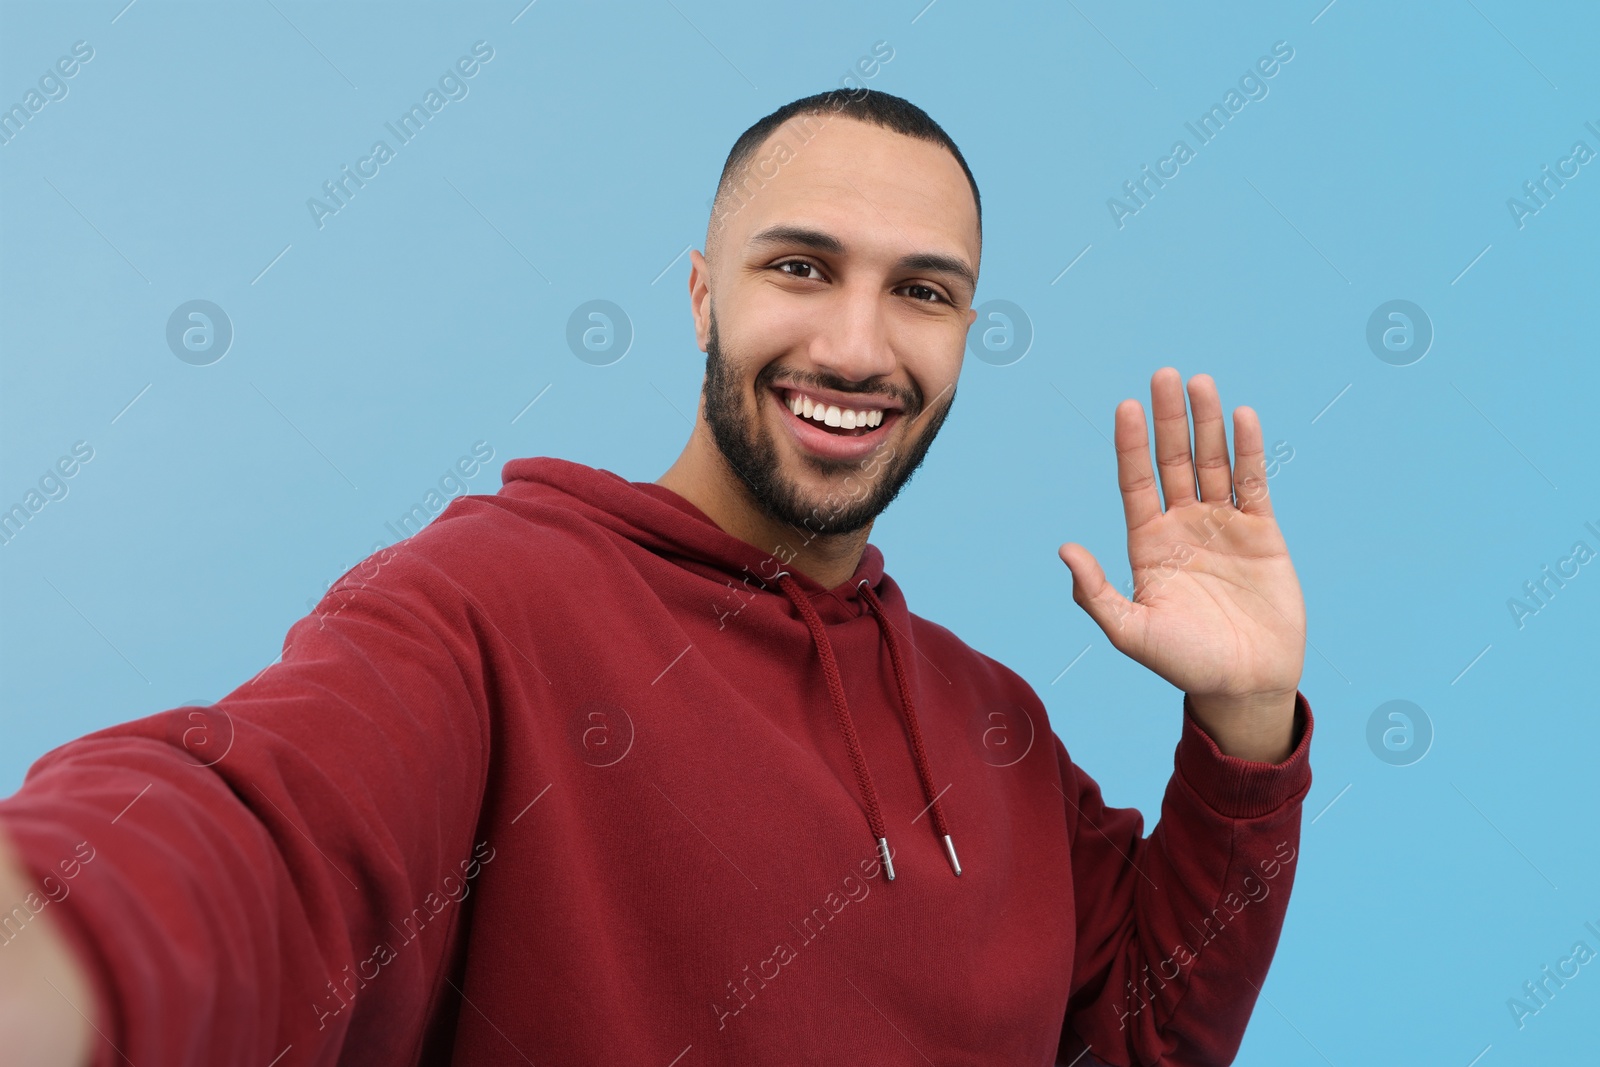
572, 776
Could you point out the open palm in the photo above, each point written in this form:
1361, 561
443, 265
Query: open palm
1216, 607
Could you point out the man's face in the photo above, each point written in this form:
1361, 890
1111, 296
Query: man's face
842, 276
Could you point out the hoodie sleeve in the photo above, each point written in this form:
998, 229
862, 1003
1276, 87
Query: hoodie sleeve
285, 866
1175, 931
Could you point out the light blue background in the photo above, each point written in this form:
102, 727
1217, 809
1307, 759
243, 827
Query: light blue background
428, 313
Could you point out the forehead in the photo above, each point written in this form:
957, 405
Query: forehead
876, 189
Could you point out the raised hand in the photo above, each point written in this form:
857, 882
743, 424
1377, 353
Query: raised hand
1216, 607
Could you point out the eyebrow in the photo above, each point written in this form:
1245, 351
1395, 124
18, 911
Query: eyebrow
817, 240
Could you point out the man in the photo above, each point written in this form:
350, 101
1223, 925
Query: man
598, 771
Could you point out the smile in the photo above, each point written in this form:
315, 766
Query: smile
831, 415
838, 431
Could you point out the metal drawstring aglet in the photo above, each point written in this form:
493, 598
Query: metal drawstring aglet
883, 851
950, 850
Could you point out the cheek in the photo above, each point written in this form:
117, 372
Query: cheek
939, 339
932, 355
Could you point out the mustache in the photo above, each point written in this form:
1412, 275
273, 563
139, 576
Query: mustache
909, 401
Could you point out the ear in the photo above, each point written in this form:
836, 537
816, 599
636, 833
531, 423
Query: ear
700, 296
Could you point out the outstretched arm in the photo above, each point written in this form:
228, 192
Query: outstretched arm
234, 870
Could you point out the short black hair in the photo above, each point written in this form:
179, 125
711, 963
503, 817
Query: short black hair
866, 105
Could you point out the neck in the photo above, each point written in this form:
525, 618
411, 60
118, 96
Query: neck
702, 476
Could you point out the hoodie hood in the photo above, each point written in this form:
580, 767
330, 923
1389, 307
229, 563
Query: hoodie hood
654, 517
666, 524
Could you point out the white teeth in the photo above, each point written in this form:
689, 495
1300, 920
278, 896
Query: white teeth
831, 415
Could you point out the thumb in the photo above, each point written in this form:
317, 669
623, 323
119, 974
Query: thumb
1109, 609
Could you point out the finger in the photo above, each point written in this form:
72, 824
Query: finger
1114, 613
1210, 441
1172, 437
1140, 501
1249, 464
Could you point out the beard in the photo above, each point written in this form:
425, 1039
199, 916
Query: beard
747, 446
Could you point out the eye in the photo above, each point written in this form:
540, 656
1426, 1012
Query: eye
796, 263
938, 297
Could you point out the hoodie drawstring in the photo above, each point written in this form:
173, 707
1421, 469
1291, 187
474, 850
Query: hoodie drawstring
830, 671
919, 751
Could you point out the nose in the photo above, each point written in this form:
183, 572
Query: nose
852, 338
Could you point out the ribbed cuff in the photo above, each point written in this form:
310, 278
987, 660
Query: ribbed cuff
1240, 788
